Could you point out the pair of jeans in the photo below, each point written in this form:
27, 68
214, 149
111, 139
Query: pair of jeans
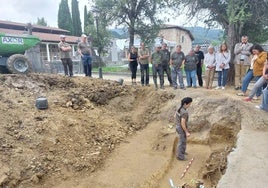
87, 62
191, 78
182, 143
222, 77
166, 69
248, 77
67, 66
144, 69
199, 75
261, 83
176, 73
158, 69
133, 68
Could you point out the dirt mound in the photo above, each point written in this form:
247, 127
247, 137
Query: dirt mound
86, 120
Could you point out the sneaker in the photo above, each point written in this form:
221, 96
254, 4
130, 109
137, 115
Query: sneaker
223, 88
218, 88
259, 107
237, 88
183, 88
255, 98
162, 87
175, 88
195, 87
240, 94
247, 99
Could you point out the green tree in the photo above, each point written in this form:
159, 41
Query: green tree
237, 17
76, 21
100, 38
41, 21
140, 16
86, 20
64, 16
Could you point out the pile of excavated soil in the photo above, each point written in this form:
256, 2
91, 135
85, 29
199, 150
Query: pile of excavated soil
97, 133
79, 130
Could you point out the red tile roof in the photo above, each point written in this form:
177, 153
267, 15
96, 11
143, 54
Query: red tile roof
9, 25
45, 37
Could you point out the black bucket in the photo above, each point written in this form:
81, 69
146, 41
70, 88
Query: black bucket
41, 103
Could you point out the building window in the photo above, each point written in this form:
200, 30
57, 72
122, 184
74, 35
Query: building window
182, 39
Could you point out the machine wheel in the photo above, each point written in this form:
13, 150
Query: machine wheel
19, 64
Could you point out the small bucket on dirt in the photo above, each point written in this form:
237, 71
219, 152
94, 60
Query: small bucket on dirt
41, 103
120, 81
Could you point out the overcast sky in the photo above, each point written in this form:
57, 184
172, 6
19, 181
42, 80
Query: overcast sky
26, 11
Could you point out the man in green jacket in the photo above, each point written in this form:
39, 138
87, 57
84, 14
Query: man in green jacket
156, 60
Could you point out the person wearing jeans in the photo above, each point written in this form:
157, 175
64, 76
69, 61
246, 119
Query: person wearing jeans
84, 50
261, 83
87, 63
256, 69
222, 65
144, 55
190, 66
176, 61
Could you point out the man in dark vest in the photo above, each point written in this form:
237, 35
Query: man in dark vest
165, 62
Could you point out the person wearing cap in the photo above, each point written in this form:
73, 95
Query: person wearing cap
176, 61
156, 60
165, 62
84, 49
65, 56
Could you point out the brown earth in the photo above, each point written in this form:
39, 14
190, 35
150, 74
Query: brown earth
97, 133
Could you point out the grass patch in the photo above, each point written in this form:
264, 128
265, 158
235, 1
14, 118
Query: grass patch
112, 69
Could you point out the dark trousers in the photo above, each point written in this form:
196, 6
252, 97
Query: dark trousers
199, 76
182, 143
166, 69
88, 70
133, 68
144, 69
67, 66
158, 69
86, 59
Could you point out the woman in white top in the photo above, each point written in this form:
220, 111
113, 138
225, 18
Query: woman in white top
222, 65
210, 64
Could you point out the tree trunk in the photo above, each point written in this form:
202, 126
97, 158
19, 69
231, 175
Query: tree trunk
131, 36
232, 40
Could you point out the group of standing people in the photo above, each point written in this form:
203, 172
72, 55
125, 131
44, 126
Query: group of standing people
173, 63
164, 62
251, 62
84, 50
